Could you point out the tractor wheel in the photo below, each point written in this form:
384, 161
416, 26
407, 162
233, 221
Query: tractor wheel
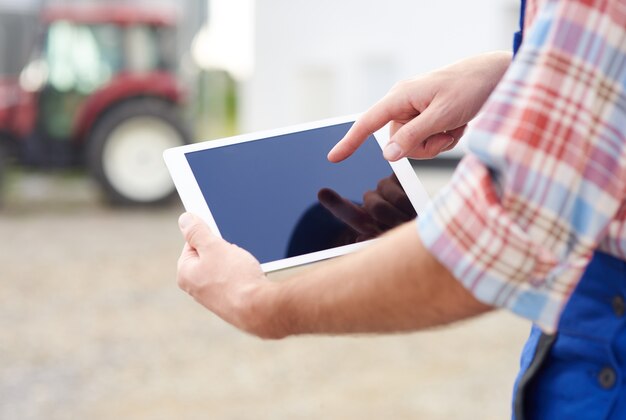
125, 151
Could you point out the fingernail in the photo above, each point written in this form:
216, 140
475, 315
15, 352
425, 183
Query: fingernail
185, 219
392, 151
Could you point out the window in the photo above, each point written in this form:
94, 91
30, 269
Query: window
81, 57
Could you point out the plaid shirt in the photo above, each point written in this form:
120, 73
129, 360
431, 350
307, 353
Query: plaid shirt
545, 183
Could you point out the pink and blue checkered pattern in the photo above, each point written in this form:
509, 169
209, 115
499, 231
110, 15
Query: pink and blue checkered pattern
545, 183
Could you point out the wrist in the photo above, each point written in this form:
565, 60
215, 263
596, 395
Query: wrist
260, 312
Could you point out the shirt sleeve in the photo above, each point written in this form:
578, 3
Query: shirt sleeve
525, 210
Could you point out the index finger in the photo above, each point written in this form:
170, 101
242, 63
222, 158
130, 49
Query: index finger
370, 121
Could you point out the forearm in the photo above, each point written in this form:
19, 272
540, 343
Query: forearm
394, 285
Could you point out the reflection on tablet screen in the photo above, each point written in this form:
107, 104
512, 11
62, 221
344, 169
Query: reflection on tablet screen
280, 197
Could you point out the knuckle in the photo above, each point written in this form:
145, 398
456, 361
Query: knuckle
400, 85
193, 233
198, 236
431, 153
408, 136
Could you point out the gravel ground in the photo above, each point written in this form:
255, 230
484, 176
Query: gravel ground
92, 326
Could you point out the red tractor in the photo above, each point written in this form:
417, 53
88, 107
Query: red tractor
99, 92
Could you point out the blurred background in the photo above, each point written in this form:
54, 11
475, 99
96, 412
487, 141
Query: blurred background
92, 324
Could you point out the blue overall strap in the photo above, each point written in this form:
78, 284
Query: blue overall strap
519, 35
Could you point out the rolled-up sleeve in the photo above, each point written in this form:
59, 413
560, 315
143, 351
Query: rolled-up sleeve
546, 174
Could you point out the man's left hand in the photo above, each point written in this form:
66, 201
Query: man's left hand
221, 276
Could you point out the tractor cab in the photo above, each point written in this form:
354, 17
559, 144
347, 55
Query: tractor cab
100, 91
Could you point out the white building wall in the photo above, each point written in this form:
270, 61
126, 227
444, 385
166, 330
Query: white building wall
323, 58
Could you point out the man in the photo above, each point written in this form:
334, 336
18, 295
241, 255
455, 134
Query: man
534, 219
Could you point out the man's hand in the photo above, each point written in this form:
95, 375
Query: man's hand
221, 276
429, 113
378, 289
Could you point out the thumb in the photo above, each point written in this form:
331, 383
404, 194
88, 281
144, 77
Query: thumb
413, 133
196, 233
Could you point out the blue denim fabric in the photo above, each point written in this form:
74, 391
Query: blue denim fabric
517, 36
583, 375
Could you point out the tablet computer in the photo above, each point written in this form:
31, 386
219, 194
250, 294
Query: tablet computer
275, 194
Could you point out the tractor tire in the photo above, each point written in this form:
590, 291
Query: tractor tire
125, 151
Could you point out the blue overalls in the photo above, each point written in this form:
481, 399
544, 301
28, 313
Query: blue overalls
579, 372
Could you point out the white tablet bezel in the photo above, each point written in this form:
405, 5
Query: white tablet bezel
193, 200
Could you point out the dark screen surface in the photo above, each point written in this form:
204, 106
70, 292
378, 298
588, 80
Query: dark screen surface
265, 194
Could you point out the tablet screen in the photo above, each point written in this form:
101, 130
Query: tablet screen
280, 197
